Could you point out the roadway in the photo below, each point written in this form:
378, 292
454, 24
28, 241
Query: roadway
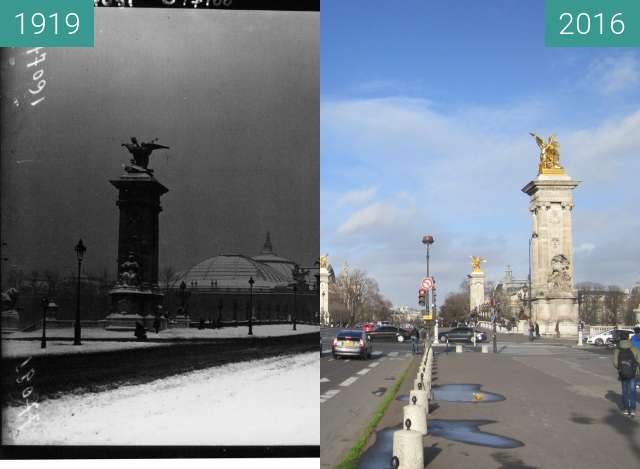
351, 390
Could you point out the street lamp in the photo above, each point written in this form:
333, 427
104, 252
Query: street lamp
45, 303
295, 294
251, 282
427, 240
80, 250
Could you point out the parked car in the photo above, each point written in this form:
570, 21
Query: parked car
462, 334
351, 343
390, 333
604, 337
617, 335
368, 327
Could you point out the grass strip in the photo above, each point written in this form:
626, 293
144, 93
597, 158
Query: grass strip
351, 458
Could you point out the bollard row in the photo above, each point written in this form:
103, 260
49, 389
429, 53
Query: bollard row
407, 443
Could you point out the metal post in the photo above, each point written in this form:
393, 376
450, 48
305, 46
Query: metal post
295, 294
251, 282
495, 338
45, 302
76, 336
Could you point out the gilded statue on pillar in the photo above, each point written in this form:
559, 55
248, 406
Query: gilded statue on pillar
324, 261
549, 155
475, 263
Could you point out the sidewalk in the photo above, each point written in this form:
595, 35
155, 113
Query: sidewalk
560, 403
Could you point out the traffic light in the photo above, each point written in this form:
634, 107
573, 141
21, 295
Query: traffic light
421, 297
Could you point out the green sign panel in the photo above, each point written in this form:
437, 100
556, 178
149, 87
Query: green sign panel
592, 23
46, 23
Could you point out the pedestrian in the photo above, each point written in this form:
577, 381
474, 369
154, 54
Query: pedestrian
557, 329
531, 330
415, 340
537, 330
627, 359
156, 324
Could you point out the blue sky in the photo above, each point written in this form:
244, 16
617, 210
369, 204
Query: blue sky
425, 114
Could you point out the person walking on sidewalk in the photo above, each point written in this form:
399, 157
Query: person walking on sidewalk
537, 330
626, 359
415, 340
531, 330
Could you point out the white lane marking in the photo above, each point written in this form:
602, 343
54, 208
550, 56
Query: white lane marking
376, 354
374, 364
324, 380
364, 371
349, 381
393, 354
328, 395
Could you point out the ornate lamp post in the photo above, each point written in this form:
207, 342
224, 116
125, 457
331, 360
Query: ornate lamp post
80, 250
251, 282
427, 240
45, 303
295, 295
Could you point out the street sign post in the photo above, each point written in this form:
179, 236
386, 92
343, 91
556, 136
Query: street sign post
427, 283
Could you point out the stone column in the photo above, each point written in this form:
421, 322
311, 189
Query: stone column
136, 296
324, 296
554, 300
476, 290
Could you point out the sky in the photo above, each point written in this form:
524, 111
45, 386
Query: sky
234, 94
426, 110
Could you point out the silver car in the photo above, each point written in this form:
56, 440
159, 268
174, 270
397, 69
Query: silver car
351, 343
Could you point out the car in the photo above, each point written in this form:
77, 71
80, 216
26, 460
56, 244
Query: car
604, 337
617, 335
462, 334
368, 327
390, 333
350, 343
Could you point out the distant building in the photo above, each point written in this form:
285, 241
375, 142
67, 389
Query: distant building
218, 290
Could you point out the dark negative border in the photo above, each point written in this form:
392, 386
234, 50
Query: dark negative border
157, 452
280, 5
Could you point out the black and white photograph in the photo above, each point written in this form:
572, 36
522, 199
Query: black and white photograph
160, 234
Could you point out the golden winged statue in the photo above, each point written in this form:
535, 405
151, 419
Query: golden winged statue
549, 155
324, 261
475, 263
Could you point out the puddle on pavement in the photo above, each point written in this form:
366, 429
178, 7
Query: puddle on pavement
378, 456
459, 393
379, 391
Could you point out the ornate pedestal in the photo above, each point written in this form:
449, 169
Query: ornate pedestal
476, 290
136, 296
324, 291
10, 321
554, 301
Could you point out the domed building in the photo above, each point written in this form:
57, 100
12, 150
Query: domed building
217, 290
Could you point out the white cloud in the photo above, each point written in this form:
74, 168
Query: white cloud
586, 248
615, 74
370, 217
358, 197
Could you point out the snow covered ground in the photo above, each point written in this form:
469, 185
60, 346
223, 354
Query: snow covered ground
14, 348
263, 402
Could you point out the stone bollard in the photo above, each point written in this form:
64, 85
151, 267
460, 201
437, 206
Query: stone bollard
458, 348
418, 415
407, 448
418, 384
421, 398
485, 348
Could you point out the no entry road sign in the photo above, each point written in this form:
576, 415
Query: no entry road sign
427, 283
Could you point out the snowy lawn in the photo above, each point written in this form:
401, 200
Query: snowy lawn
272, 330
26, 348
263, 402
14, 348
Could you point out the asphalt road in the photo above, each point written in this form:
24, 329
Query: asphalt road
351, 390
